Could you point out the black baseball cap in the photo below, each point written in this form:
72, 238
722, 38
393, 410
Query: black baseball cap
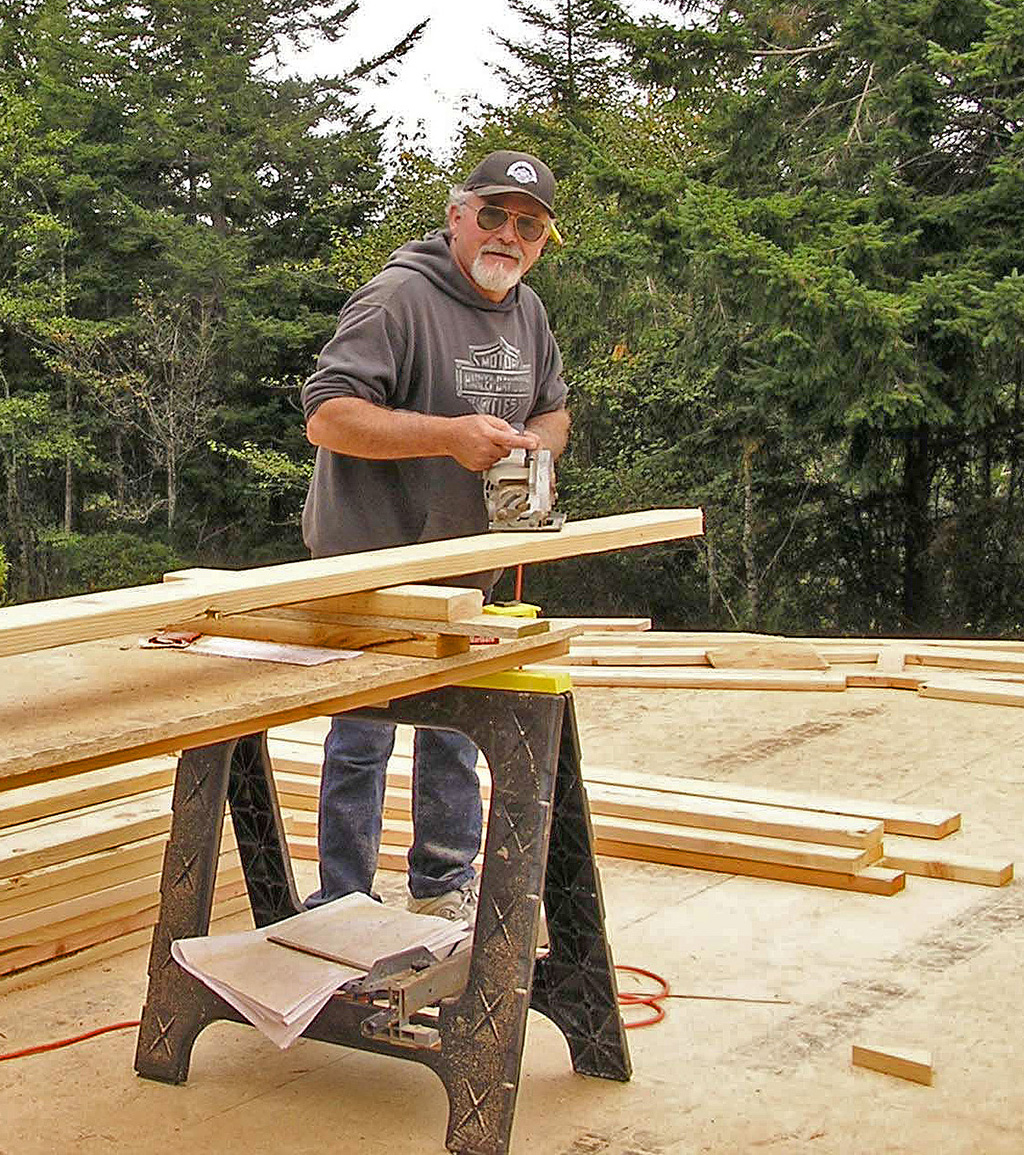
506, 171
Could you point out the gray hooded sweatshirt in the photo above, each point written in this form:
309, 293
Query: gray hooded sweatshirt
420, 337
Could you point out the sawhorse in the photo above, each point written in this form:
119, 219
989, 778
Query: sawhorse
539, 845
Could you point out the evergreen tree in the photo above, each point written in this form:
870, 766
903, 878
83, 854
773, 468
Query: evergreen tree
846, 210
197, 189
566, 61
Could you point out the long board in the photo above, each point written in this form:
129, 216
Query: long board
63, 621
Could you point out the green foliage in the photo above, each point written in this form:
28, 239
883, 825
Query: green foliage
84, 563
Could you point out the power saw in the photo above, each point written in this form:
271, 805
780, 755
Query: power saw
519, 491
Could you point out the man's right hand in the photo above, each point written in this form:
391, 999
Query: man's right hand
478, 440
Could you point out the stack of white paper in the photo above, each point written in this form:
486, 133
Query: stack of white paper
278, 990
357, 931
279, 977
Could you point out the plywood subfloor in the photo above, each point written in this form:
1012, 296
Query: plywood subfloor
928, 969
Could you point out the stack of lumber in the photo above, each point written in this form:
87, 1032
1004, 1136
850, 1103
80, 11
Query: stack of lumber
849, 844
974, 670
80, 862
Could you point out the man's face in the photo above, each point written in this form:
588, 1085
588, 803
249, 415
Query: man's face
495, 260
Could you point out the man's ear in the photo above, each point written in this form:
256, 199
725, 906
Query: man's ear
454, 211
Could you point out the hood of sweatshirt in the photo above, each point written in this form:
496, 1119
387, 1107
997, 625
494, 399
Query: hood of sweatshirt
432, 257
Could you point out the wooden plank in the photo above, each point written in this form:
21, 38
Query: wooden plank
306, 630
695, 679
60, 622
90, 872
473, 625
429, 602
110, 948
61, 795
602, 625
964, 659
782, 655
228, 899
870, 880
896, 817
951, 866
50, 736
874, 679
46, 841
433, 603
973, 690
723, 844
634, 656
301, 792
20, 929
83, 875
903, 1062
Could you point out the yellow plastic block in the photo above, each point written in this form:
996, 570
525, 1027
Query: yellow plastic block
513, 609
535, 681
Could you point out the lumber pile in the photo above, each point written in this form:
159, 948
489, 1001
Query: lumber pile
80, 862
206, 595
848, 844
974, 670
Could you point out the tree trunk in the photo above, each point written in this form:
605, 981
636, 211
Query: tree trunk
753, 591
172, 485
712, 575
917, 607
69, 477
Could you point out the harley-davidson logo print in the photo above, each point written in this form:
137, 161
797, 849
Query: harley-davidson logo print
494, 380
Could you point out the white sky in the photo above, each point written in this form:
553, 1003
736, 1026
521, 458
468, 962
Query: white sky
450, 66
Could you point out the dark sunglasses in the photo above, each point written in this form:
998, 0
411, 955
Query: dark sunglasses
492, 217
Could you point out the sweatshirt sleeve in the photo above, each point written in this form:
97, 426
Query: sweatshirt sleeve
551, 388
360, 360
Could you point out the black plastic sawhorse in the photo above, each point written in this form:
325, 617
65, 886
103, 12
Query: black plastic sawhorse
539, 844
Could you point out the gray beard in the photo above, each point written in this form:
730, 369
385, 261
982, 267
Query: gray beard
493, 278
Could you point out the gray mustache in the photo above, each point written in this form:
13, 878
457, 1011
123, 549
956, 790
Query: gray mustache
503, 250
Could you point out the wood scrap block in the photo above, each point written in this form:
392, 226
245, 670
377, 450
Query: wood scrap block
766, 655
903, 1062
951, 866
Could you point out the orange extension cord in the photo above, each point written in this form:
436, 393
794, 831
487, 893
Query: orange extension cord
626, 999
41, 1047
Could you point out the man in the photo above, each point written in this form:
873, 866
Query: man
440, 366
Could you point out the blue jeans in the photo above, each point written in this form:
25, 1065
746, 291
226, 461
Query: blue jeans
446, 809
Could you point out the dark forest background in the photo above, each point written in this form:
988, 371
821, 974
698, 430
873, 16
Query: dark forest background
790, 293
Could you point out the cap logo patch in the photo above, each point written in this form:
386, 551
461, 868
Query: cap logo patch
522, 171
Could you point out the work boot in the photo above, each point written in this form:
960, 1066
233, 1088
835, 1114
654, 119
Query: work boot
453, 904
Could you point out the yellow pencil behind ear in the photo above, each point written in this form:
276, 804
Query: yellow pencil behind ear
556, 235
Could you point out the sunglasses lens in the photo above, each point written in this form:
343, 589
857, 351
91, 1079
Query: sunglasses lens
491, 217
530, 228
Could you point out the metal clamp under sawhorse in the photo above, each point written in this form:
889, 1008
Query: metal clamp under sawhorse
539, 844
